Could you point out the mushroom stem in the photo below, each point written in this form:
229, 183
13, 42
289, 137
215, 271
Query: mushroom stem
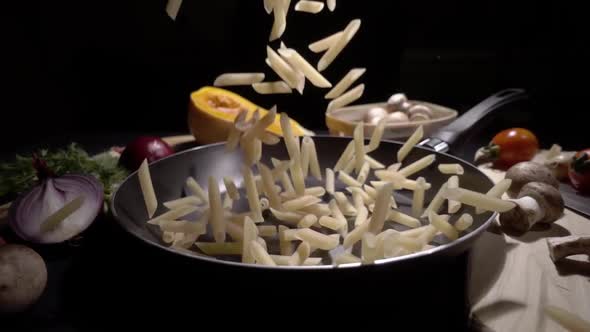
562, 247
526, 214
537, 202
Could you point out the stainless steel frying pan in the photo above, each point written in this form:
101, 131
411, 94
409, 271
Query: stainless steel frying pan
169, 176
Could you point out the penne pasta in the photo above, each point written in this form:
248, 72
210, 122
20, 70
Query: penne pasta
195, 189
418, 165
325, 43
331, 5
312, 7
307, 221
348, 80
314, 164
270, 88
331, 223
252, 195
418, 197
286, 247
269, 187
443, 226
260, 254
333, 52
359, 147
382, 207
345, 206
451, 169
300, 64
414, 139
497, 191
188, 200
290, 218
330, 188
453, 206
147, 189
250, 235
363, 173
235, 79
347, 98
356, 234
476, 199
403, 219
464, 222
437, 201
348, 180
376, 136
283, 260
344, 157
300, 202
173, 214
300, 255
231, 188
182, 226
282, 68
316, 239
216, 211
267, 230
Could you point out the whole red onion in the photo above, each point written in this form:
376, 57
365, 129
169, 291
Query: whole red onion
144, 147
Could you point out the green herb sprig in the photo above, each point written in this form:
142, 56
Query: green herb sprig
20, 175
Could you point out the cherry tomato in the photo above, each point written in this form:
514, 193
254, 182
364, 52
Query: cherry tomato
579, 173
509, 147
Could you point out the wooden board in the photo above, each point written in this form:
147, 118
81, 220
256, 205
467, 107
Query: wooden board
512, 280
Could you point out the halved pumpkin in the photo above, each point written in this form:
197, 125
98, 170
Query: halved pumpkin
212, 112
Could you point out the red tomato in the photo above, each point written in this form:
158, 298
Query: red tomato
514, 145
580, 171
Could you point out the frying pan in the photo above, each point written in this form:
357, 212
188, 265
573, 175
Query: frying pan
169, 175
434, 278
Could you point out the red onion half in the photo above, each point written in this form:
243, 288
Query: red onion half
31, 209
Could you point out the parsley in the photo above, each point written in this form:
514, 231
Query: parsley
20, 175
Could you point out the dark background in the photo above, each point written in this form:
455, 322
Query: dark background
113, 66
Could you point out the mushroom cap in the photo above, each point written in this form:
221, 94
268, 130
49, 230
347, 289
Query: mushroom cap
547, 197
397, 100
420, 109
23, 276
375, 114
526, 172
397, 117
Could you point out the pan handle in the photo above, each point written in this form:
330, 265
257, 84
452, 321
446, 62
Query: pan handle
441, 139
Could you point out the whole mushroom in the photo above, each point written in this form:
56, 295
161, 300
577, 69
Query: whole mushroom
420, 113
398, 103
397, 117
526, 172
537, 202
23, 277
375, 114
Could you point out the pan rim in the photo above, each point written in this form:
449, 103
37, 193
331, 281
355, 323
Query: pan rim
381, 262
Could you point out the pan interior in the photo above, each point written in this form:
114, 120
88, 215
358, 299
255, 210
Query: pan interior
169, 176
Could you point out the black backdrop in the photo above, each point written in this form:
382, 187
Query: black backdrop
122, 65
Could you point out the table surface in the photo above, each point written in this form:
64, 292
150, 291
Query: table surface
511, 279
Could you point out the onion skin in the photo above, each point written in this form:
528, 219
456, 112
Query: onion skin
32, 208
